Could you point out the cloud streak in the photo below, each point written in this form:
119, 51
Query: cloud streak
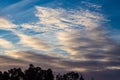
6, 44
83, 35
6, 24
34, 43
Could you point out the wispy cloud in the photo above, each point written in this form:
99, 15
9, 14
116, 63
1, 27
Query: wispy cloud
45, 61
79, 32
78, 28
34, 43
83, 35
66, 18
37, 59
91, 5
20, 4
58, 64
6, 24
6, 44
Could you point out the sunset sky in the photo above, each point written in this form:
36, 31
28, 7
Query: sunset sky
65, 35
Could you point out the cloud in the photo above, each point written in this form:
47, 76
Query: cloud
81, 34
19, 4
24, 58
33, 42
91, 5
61, 19
80, 40
67, 18
49, 16
46, 61
6, 44
58, 64
41, 60
6, 24
8, 63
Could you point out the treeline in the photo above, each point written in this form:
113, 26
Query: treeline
36, 73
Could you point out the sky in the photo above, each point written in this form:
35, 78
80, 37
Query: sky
65, 35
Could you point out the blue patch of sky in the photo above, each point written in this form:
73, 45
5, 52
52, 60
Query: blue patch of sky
32, 32
4, 3
21, 12
111, 8
59, 51
10, 36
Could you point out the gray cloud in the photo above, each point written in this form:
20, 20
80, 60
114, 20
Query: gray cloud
88, 68
59, 63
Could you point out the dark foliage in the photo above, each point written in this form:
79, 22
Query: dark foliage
36, 73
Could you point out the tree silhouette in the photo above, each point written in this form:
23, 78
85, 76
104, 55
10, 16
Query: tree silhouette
81, 78
37, 73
